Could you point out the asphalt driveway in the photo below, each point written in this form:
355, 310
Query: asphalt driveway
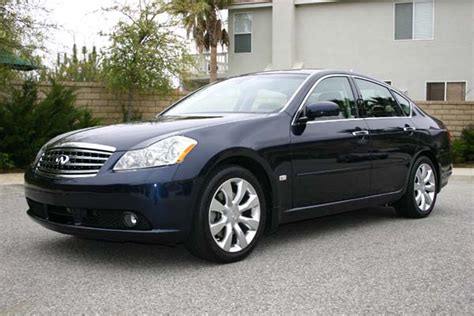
361, 262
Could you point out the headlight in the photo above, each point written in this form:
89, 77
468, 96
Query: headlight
38, 155
168, 151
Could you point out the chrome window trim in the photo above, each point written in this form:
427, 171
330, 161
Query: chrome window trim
290, 100
392, 90
293, 121
80, 145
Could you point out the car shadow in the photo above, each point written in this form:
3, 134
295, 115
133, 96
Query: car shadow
120, 255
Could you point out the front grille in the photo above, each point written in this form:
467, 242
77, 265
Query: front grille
74, 160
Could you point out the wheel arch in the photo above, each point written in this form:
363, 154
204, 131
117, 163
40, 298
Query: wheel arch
251, 161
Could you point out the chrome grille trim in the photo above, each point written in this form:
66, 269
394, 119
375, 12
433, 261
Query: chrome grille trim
73, 160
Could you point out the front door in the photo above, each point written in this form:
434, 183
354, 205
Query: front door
393, 140
330, 155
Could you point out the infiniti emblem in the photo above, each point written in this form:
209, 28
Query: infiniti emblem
62, 160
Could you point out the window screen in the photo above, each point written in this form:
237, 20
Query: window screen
456, 91
377, 100
243, 33
403, 21
435, 91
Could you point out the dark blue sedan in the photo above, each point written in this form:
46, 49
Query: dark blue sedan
240, 157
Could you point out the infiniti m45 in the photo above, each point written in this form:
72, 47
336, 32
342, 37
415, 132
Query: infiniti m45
238, 158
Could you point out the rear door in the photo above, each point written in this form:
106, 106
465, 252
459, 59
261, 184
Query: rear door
393, 140
330, 155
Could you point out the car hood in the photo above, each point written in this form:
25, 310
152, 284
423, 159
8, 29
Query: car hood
139, 135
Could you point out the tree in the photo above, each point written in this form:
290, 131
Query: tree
201, 18
145, 54
22, 32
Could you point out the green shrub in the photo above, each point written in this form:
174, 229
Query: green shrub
463, 148
26, 123
6, 162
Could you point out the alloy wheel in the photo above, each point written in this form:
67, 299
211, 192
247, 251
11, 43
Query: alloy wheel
425, 187
234, 215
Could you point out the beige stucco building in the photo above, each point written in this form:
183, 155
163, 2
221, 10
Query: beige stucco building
423, 47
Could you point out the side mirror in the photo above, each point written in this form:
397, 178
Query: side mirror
321, 109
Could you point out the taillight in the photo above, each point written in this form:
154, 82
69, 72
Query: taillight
449, 135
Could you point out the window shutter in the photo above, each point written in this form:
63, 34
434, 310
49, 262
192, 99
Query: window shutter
423, 24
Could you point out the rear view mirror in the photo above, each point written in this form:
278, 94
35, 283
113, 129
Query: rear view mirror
321, 109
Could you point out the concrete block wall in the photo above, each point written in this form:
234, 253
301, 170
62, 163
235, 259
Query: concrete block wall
110, 106
456, 115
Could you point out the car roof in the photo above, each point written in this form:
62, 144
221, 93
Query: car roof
320, 72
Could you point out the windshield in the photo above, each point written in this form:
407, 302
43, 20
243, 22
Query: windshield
254, 93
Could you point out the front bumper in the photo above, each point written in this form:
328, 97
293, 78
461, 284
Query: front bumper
166, 206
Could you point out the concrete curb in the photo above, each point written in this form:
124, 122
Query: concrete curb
17, 178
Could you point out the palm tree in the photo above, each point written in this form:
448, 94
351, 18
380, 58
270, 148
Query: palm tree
202, 19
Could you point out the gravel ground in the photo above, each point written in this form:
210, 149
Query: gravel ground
368, 261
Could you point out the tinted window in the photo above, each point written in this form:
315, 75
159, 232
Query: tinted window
337, 90
378, 101
256, 93
404, 103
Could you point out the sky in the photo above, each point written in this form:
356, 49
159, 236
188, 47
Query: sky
80, 21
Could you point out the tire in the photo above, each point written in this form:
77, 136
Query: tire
237, 223
421, 193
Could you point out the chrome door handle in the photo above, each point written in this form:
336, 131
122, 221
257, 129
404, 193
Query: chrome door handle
409, 129
360, 133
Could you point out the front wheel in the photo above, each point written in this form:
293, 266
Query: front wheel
420, 196
231, 216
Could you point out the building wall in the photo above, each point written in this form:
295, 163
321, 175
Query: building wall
359, 36
261, 56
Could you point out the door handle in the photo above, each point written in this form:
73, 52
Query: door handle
409, 129
360, 133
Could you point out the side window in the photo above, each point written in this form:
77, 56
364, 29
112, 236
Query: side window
378, 101
337, 90
404, 103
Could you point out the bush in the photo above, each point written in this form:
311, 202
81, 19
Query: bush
26, 124
6, 162
463, 148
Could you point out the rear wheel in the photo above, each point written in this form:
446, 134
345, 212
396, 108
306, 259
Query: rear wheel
230, 218
420, 196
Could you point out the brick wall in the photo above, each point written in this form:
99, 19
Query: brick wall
456, 115
109, 106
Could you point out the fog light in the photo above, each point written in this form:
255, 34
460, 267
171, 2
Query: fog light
130, 219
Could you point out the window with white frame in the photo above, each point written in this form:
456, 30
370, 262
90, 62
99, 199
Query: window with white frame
242, 32
414, 20
446, 91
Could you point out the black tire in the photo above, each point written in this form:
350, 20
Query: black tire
201, 243
407, 206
